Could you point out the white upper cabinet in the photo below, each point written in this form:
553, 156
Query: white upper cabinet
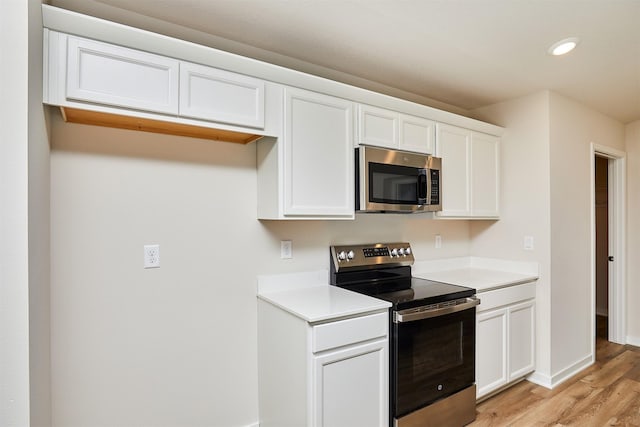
379, 127
416, 134
318, 155
113, 75
95, 82
308, 173
454, 147
485, 180
221, 96
470, 173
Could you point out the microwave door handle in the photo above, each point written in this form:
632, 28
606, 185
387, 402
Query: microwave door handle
423, 184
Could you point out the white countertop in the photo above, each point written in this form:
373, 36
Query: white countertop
310, 297
482, 274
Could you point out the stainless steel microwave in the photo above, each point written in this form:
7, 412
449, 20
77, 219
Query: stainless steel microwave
397, 181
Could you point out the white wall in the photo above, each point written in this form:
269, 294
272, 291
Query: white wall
24, 221
14, 273
525, 199
39, 231
633, 231
573, 128
174, 346
546, 194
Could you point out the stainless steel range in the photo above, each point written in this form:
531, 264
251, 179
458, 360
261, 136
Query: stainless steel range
432, 334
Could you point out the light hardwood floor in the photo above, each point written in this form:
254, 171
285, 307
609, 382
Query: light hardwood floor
605, 394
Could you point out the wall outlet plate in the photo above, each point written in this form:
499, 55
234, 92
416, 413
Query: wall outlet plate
151, 256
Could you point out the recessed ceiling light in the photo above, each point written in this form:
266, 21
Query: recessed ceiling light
564, 46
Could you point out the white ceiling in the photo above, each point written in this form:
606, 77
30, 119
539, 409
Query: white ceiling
467, 53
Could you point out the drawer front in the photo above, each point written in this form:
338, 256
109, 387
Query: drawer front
113, 75
349, 331
506, 296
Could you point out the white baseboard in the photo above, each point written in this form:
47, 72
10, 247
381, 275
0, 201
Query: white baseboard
633, 340
555, 380
540, 379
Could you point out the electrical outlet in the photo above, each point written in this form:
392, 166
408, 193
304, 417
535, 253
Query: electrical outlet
151, 256
438, 241
286, 249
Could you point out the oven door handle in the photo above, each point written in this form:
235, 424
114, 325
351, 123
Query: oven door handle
412, 315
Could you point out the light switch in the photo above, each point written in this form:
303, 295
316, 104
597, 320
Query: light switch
528, 243
286, 249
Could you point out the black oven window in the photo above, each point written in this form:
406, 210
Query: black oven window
393, 184
435, 357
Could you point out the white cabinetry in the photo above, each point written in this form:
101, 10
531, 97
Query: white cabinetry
211, 94
330, 374
110, 85
389, 129
309, 172
113, 75
505, 337
470, 173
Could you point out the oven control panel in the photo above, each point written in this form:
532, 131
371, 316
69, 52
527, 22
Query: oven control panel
370, 255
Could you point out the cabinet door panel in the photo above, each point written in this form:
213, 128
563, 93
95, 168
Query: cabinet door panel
351, 387
491, 351
319, 169
416, 134
453, 146
377, 127
521, 339
221, 96
114, 75
485, 191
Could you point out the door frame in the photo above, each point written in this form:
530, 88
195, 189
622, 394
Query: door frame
617, 243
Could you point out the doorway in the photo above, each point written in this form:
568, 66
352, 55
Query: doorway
602, 246
608, 253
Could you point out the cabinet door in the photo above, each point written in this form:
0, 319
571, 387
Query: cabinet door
453, 146
485, 173
221, 96
318, 155
416, 134
113, 75
521, 339
491, 351
351, 387
377, 127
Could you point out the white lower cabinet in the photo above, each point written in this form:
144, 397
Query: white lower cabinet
349, 386
334, 374
505, 337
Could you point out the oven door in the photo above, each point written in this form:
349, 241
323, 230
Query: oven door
433, 355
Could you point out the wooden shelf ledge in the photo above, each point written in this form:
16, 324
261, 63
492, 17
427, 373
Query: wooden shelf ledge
75, 115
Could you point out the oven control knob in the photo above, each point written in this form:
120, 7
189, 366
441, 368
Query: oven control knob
342, 255
350, 255
407, 251
394, 252
401, 252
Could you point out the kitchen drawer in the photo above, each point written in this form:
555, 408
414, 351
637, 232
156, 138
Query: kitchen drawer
349, 331
506, 296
